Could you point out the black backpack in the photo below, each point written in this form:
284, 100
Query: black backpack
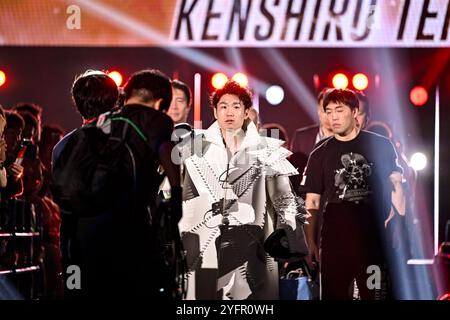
96, 168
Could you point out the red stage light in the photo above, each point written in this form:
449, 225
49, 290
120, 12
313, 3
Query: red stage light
418, 96
445, 296
360, 81
116, 76
241, 79
316, 81
2, 78
340, 81
218, 80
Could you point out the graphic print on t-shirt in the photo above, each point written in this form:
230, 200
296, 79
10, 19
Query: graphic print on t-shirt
352, 179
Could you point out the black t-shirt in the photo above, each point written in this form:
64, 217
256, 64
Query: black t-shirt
138, 179
142, 245
355, 172
157, 127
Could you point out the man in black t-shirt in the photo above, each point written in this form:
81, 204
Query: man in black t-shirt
356, 175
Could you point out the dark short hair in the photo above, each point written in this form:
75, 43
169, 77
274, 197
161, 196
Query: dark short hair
347, 97
180, 85
232, 87
321, 94
14, 120
363, 98
150, 85
94, 93
32, 108
50, 129
31, 122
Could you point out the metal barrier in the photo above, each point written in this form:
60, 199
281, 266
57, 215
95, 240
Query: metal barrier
20, 247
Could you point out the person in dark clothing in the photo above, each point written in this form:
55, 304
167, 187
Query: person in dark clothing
31, 126
3, 178
47, 212
14, 170
36, 111
364, 113
117, 249
29, 135
93, 94
304, 139
87, 242
355, 174
51, 135
181, 102
148, 94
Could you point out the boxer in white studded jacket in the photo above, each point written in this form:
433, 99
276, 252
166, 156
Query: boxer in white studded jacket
232, 203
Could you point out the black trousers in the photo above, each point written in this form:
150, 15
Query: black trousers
116, 261
351, 249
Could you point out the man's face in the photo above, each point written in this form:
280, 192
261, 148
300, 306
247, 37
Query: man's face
13, 136
324, 122
342, 119
29, 133
179, 108
230, 112
362, 116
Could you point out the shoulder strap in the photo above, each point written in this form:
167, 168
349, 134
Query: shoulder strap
133, 125
105, 120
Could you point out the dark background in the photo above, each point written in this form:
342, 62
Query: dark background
44, 75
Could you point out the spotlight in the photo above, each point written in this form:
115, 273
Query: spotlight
218, 80
241, 79
418, 161
360, 81
445, 296
340, 81
116, 76
418, 96
275, 94
2, 78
